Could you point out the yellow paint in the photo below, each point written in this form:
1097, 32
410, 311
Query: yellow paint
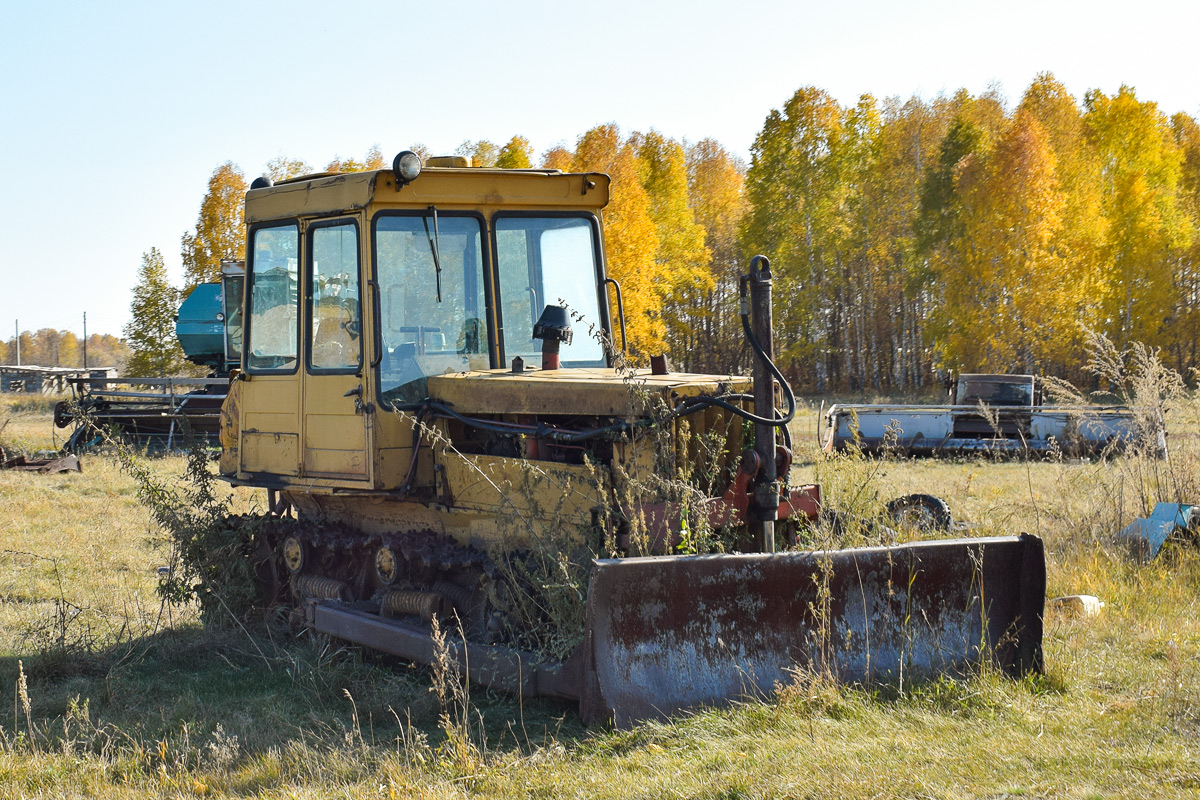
321, 432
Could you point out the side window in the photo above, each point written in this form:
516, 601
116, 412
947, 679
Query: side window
272, 276
335, 309
547, 261
232, 291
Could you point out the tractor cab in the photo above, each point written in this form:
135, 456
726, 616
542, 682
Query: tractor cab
361, 287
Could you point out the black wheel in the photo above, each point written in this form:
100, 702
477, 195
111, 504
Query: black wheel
921, 511
62, 414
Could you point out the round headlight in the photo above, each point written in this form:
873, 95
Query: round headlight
406, 166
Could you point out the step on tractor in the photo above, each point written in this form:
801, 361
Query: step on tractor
434, 392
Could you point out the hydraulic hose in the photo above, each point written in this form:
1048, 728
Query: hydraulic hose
789, 395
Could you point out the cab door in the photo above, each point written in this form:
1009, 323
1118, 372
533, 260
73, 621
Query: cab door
334, 423
270, 394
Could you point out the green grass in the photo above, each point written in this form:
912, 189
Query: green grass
129, 698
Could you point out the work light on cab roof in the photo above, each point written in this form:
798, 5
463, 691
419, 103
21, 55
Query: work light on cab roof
406, 166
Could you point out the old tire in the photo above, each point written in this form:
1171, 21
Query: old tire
924, 512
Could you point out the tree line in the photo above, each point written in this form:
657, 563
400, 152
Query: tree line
907, 237
49, 347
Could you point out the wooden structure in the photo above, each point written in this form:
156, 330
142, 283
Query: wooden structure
51, 380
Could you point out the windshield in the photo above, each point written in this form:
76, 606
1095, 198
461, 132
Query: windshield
422, 334
994, 392
548, 261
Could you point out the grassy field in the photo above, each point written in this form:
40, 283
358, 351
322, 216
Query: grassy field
114, 694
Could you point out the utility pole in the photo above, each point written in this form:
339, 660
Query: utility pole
17, 330
85, 340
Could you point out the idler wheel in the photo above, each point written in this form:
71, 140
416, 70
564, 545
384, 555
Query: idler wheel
294, 554
386, 565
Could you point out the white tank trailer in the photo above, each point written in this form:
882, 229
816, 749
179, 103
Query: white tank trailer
992, 414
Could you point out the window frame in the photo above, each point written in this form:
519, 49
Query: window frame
306, 298
601, 269
248, 289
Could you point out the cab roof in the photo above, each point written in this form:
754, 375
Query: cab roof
448, 188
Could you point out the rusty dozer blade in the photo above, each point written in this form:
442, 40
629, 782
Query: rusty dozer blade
671, 633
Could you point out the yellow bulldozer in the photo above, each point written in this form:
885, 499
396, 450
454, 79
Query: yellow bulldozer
434, 394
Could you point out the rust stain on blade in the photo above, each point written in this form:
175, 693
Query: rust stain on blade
667, 634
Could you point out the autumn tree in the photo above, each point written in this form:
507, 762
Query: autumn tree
106, 350
795, 186
517, 154
681, 258
373, 160
631, 240
281, 168
1012, 302
715, 183
558, 157
154, 352
1140, 166
220, 230
482, 153
898, 289
1184, 329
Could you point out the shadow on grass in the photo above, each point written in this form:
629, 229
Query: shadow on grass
272, 690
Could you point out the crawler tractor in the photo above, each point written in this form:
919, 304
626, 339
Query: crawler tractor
433, 392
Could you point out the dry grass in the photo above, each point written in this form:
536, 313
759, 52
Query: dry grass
130, 702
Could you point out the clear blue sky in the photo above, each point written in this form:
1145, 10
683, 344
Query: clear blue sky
115, 114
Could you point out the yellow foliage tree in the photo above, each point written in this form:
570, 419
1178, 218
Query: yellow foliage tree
281, 168
1140, 165
517, 154
681, 260
220, 230
631, 240
482, 153
372, 161
1077, 169
1184, 330
558, 157
715, 193
1010, 300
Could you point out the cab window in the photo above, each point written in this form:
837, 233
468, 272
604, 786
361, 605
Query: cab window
335, 315
272, 275
433, 312
548, 261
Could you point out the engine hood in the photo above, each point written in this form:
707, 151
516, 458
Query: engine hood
601, 392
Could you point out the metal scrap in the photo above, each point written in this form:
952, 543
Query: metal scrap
44, 466
1147, 535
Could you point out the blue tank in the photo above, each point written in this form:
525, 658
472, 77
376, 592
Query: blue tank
200, 325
